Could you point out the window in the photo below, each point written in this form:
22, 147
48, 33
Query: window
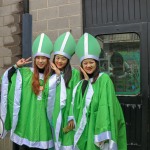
120, 58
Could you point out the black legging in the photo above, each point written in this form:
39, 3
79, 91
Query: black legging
24, 147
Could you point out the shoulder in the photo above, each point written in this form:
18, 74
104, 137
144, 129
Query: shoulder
104, 76
74, 70
25, 70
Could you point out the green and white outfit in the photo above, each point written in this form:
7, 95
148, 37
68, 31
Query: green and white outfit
98, 115
64, 45
24, 113
27, 116
87, 47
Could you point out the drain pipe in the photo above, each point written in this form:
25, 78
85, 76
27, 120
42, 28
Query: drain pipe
26, 31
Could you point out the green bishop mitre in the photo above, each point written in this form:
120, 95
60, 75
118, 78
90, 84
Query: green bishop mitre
87, 47
42, 46
65, 45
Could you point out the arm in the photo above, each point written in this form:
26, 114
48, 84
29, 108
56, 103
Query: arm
19, 63
11, 71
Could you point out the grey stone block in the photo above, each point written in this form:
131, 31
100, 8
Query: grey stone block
75, 1
1, 62
48, 13
12, 40
38, 4
1, 21
14, 60
5, 52
77, 32
58, 23
57, 2
10, 9
34, 14
69, 10
16, 51
76, 21
9, 30
52, 35
1, 41
7, 60
8, 2
39, 26
12, 19
1, 31
1, 3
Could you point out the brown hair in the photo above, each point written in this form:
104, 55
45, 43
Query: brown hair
35, 78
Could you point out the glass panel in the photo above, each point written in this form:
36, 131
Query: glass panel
120, 58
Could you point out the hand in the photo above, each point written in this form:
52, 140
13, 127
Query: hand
53, 66
86, 77
23, 61
71, 124
102, 143
69, 127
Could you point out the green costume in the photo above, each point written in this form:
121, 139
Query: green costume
97, 113
28, 116
61, 113
64, 45
98, 116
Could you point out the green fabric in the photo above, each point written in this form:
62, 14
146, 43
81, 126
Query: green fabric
32, 123
104, 114
92, 45
9, 115
69, 46
46, 46
68, 137
65, 138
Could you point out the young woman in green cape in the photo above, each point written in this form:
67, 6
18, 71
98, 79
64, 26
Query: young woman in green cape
97, 114
64, 48
28, 99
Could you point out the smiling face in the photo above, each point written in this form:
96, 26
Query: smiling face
89, 65
41, 61
60, 61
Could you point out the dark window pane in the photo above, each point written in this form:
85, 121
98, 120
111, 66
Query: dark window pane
120, 58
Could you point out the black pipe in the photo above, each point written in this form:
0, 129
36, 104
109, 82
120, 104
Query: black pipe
26, 6
26, 31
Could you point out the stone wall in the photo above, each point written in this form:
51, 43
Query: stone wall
10, 32
10, 42
54, 17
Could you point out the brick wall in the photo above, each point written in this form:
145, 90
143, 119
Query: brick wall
10, 32
54, 17
10, 42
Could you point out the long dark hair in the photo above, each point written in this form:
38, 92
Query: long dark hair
95, 74
67, 72
35, 78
